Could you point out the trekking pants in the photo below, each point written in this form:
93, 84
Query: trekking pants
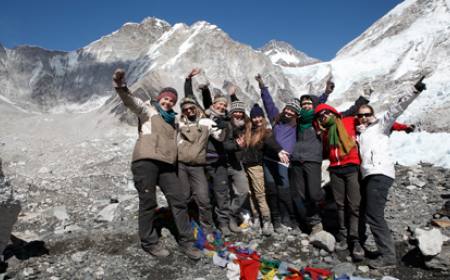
146, 175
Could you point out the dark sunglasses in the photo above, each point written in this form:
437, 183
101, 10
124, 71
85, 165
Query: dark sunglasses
306, 103
191, 108
364, 115
324, 113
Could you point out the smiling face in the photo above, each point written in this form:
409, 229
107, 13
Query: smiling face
307, 104
289, 113
166, 103
238, 115
365, 115
258, 121
323, 117
189, 110
220, 106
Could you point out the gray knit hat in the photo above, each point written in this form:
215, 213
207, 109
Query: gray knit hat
294, 104
237, 106
187, 101
220, 98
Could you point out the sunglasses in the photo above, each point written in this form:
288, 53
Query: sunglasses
364, 115
306, 103
191, 108
323, 114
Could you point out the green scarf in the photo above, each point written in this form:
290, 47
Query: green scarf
306, 120
338, 136
168, 116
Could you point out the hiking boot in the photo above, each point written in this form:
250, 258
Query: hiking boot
316, 228
282, 229
234, 227
266, 229
256, 224
157, 250
381, 263
341, 245
190, 251
225, 230
357, 252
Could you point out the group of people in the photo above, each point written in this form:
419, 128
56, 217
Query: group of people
217, 155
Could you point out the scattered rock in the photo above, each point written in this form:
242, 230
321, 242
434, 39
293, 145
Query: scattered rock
363, 268
430, 241
323, 240
344, 268
107, 214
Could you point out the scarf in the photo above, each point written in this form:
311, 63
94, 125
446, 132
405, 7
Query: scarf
338, 136
168, 116
306, 120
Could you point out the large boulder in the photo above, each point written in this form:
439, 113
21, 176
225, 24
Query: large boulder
429, 241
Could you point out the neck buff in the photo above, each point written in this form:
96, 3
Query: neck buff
306, 119
168, 116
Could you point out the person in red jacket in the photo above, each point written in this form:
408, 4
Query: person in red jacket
339, 142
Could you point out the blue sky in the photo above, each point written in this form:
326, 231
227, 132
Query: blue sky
318, 28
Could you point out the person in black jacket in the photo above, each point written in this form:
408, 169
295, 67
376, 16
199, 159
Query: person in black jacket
223, 161
259, 143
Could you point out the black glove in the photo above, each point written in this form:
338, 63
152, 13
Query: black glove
220, 123
410, 128
420, 86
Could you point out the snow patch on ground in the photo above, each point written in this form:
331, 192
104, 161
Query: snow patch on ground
411, 149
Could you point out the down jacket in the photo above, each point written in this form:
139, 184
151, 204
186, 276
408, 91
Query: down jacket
157, 139
373, 140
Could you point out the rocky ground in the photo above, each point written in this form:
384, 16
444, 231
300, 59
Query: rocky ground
71, 174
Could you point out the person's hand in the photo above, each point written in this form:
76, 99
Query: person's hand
259, 79
420, 85
284, 156
203, 86
329, 87
194, 72
410, 128
232, 89
119, 78
241, 141
220, 124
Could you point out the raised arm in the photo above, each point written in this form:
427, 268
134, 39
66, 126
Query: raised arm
399, 107
232, 93
188, 92
136, 105
269, 105
206, 96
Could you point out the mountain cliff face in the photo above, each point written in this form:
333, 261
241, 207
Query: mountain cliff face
283, 54
411, 40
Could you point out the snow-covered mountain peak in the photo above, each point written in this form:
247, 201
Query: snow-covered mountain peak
284, 54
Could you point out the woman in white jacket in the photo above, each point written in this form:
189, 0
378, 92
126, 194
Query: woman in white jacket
377, 170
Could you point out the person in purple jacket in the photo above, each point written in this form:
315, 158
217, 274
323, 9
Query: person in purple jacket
284, 127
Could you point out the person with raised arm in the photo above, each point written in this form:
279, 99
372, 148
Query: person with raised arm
194, 130
154, 163
377, 169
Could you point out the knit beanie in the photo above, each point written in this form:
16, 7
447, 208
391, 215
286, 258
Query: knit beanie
187, 101
294, 104
237, 106
170, 92
220, 98
256, 111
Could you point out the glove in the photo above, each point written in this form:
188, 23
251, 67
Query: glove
258, 78
220, 124
119, 78
410, 128
420, 85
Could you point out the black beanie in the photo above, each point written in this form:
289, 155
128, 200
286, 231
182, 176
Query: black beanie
256, 111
